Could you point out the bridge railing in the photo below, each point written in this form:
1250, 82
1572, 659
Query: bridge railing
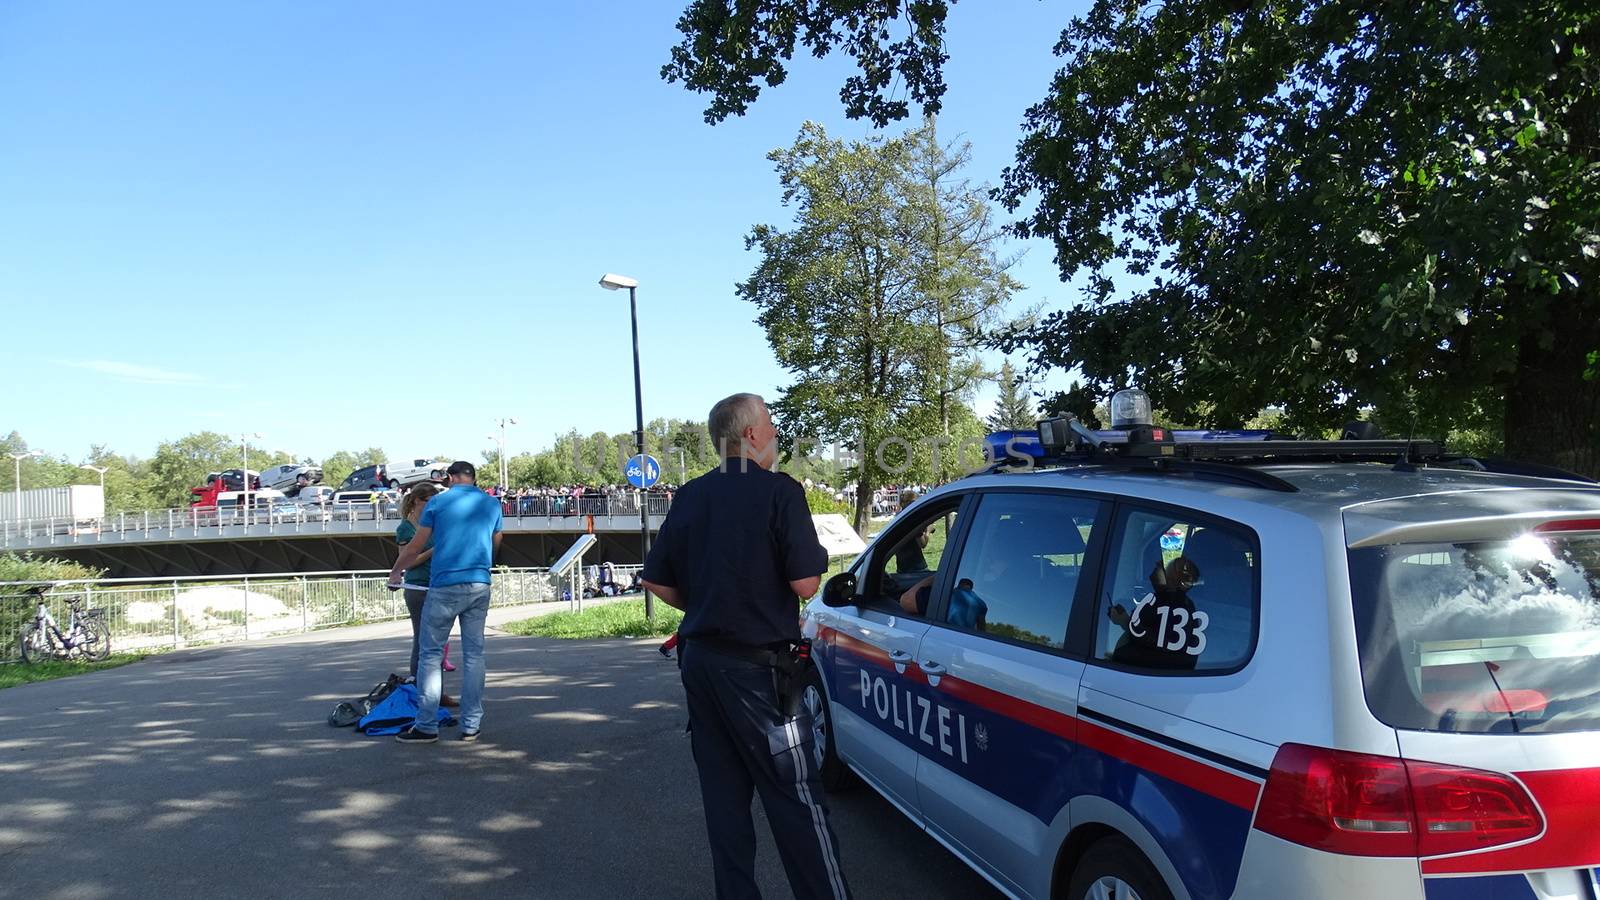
148, 613
289, 518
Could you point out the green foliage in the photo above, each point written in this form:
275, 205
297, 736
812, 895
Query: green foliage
184, 463
1013, 411
623, 619
819, 502
1329, 204
1338, 205
727, 48
877, 299
28, 567
48, 670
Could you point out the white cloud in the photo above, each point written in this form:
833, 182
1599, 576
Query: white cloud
135, 373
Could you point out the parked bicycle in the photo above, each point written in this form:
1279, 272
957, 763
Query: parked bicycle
87, 636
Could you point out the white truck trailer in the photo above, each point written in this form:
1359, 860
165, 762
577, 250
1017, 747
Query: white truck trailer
73, 504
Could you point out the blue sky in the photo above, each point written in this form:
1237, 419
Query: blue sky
357, 224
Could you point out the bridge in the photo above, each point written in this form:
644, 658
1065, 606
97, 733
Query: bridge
180, 542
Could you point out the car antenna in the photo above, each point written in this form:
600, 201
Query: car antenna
1404, 464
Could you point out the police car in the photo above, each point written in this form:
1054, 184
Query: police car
1134, 664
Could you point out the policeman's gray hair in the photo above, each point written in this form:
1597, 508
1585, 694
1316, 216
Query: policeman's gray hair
730, 417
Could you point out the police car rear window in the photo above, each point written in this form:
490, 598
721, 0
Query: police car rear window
1488, 638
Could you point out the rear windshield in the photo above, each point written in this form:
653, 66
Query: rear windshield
1483, 638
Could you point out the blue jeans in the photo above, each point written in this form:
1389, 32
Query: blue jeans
446, 603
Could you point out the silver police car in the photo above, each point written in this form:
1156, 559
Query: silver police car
1140, 667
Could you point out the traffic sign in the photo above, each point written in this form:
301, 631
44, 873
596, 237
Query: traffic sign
642, 471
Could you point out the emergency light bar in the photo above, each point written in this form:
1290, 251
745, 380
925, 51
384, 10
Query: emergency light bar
1017, 445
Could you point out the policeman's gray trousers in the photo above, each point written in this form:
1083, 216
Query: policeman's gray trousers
743, 744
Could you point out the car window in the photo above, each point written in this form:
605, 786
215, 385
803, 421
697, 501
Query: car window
909, 556
1481, 637
1180, 595
1020, 566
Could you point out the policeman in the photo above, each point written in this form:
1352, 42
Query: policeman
736, 552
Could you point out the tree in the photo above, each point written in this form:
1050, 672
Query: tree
862, 297
960, 270
727, 48
1327, 204
1013, 411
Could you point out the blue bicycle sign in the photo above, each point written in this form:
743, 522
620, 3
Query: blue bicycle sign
642, 471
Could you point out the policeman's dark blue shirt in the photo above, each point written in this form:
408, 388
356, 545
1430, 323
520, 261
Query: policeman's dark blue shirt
733, 540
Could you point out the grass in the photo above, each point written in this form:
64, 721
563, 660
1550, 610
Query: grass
22, 673
613, 620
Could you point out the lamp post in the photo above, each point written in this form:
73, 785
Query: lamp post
17, 458
505, 470
244, 471
613, 283
101, 471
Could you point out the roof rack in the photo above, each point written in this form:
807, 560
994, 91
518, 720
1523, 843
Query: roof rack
1299, 451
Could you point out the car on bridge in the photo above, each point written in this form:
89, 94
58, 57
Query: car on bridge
404, 474
362, 504
373, 477
1133, 664
291, 477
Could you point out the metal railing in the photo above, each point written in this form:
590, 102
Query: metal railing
551, 506
145, 613
291, 518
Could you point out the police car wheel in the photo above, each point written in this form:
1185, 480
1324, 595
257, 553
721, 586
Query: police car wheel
833, 771
1114, 869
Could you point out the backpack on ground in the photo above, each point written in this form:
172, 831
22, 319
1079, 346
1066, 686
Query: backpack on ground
349, 712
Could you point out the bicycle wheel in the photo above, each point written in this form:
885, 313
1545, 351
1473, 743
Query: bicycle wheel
96, 640
38, 643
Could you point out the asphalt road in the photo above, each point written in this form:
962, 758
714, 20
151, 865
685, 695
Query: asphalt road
212, 773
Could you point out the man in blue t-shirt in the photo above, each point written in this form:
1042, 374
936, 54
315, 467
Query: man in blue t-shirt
464, 525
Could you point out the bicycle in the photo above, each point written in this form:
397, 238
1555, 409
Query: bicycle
86, 637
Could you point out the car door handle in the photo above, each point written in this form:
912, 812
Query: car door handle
899, 656
930, 667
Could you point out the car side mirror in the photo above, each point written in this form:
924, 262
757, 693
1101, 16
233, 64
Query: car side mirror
840, 590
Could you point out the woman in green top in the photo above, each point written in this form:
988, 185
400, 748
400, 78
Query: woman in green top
417, 576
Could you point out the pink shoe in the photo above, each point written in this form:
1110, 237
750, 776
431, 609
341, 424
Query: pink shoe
446, 664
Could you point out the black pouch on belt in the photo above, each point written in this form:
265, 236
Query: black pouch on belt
789, 670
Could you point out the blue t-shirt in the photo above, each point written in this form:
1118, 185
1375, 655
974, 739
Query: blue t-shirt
464, 521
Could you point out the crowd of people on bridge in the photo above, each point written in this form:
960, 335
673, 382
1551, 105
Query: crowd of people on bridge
577, 499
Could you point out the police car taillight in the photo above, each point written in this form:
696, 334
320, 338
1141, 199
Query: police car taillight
1364, 805
1568, 525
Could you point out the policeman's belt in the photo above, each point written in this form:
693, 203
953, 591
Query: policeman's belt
761, 656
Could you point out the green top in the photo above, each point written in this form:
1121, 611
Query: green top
403, 535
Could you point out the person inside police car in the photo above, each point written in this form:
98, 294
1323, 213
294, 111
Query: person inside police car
736, 553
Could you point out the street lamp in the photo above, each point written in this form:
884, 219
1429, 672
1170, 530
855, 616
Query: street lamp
505, 470
101, 471
616, 283
17, 458
244, 471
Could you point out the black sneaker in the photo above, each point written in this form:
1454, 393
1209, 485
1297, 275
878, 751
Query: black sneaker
468, 736
413, 736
